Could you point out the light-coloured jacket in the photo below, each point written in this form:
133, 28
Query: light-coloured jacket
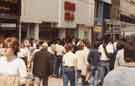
121, 76
82, 61
119, 59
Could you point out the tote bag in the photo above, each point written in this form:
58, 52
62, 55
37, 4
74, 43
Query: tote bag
6, 80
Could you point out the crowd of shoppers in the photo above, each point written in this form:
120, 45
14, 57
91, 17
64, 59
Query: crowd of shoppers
73, 60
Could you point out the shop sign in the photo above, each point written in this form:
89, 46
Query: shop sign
69, 8
97, 29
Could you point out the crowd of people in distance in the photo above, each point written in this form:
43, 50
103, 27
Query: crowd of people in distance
77, 62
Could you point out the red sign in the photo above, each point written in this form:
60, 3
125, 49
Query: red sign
69, 11
69, 16
69, 6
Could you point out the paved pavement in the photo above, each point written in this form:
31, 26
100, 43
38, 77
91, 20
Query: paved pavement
55, 82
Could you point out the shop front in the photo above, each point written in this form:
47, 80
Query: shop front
9, 17
57, 19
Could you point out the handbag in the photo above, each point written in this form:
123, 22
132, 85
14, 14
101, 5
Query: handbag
7, 80
111, 56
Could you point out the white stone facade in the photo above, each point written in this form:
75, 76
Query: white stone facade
127, 8
38, 11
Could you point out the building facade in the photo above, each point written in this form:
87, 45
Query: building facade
127, 16
9, 16
47, 19
103, 15
114, 17
50, 19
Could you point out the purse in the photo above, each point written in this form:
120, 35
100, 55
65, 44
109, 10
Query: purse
7, 80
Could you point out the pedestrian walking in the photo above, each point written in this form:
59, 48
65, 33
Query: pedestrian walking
81, 63
13, 69
59, 54
106, 51
95, 67
52, 50
69, 64
41, 66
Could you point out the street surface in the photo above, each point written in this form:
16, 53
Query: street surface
55, 82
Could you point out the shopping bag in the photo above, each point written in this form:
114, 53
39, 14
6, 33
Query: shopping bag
6, 80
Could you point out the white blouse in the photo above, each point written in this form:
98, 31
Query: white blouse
69, 59
81, 61
15, 67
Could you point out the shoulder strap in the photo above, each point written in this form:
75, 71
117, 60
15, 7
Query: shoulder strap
105, 50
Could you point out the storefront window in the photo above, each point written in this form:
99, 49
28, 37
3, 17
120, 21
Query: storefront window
9, 7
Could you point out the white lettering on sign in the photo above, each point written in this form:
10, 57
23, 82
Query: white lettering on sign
107, 1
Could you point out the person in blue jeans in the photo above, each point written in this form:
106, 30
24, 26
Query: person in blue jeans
94, 61
69, 75
69, 65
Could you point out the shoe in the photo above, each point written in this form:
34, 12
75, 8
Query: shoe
99, 82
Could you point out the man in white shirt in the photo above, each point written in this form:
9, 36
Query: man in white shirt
69, 63
110, 49
106, 50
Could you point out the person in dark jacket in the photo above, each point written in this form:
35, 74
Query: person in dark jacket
41, 66
94, 61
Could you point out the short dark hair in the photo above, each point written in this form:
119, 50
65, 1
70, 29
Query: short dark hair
80, 47
129, 49
40, 42
68, 47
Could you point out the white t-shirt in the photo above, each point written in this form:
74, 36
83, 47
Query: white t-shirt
59, 49
70, 59
15, 67
109, 48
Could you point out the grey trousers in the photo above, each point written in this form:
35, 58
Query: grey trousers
104, 69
